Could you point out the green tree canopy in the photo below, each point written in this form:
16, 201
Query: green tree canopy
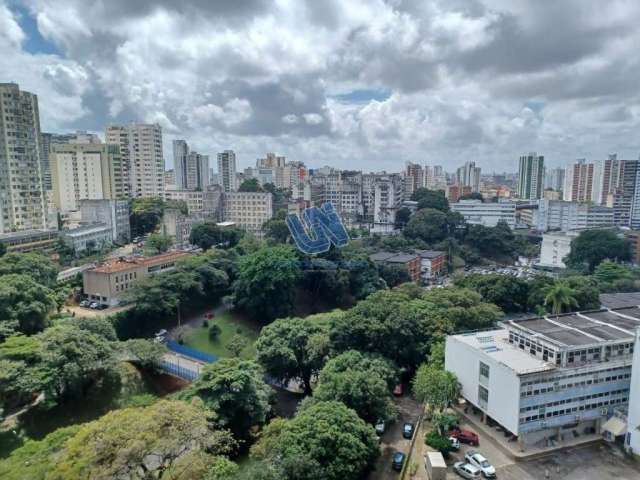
402, 217
277, 230
431, 199
428, 224
3, 249
266, 284
361, 381
293, 348
250, 185
34, 265
158, 243
142, 352
593, 246
235, 389
326, 440
507, 292
614, 277
435, 386
208, 234
128, 441
24, 304
560, 297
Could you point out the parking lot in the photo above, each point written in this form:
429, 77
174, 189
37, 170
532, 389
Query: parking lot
392, 440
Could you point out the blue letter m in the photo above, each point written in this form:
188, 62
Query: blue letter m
323, 227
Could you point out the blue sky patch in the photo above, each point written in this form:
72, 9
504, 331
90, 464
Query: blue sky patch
35, 43
363, 96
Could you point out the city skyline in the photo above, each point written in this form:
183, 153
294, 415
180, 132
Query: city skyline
367, 85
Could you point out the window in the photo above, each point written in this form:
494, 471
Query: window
483, 394
484, 370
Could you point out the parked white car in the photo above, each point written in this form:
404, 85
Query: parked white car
481, 463
455, 443
466, 470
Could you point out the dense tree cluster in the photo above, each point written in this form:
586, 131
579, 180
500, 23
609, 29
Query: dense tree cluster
209, 234
146, 213
591, 247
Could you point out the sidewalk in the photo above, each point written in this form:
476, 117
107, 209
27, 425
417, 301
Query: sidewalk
513, 450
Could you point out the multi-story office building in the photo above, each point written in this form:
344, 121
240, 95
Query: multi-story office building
469, 176
113, 213
207, 201
22, 198
227, 171
554, 179
86, 171
561, 215
578, 181
530, 176
476, 212
551, 377
141, 149
88, 237
108, 282
248, 210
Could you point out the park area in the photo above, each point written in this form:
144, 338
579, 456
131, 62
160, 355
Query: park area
235, 336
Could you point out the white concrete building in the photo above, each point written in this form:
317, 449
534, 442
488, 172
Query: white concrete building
22, 198
227, 171
469, 176
248, 210
114, 213
555, 247
632, 438
561, 215
548, 378
93, 237
141, 149
387, 199
476, 212
86, 171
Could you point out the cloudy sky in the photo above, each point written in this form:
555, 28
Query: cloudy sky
363, 84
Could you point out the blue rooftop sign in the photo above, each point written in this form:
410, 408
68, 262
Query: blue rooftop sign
322, 227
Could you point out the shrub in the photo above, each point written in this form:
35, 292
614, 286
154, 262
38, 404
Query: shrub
214, 332
437, 441
205, 323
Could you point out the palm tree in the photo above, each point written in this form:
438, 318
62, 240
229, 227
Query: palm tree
560, 296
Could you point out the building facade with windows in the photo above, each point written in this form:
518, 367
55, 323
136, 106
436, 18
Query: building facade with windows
114, 213
548, 378
22, 197
227, 171
108, 282
44, 241
88, 237
248, 210
555, 247
477, 212
531, 176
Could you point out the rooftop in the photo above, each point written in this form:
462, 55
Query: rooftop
401, 257
26, 234
126, 263
495, 344
620, 300
86, 229
430, 253
583, 328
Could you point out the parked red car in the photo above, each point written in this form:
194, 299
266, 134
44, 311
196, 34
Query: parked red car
398, 391
465, 436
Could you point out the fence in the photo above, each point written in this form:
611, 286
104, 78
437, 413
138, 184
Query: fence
173, 367
191, 353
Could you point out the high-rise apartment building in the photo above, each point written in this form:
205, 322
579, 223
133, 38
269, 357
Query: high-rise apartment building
435, 178
554, 179
141, 149
413, 179
86, 171
531, 176
191, 168
469, 176
22, 199
578, 181
180, 152
50, 139
227, 170
607, 179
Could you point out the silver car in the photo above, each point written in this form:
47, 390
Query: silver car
466, 470
477, 460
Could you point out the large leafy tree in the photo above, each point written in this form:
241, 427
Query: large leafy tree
326, 440
208, 234
128, 441
266, 283
34, 265
293, 348
158, 243
24, 305
250, 185
362, 382
463, 308
593, 246
436, 387
277, 230
236, 390
431, 199
508, 293
428, 224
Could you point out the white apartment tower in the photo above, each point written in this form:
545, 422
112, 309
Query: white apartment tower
469, 176
191, 168
227, 170
90, 171
180, 152
578, 182
141, 148
22, 201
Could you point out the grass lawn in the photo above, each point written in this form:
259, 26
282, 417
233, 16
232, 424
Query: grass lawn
230, 325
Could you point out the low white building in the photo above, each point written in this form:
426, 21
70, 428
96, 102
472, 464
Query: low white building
548, 378
555, 247
95, 236
565, 216
477, 212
